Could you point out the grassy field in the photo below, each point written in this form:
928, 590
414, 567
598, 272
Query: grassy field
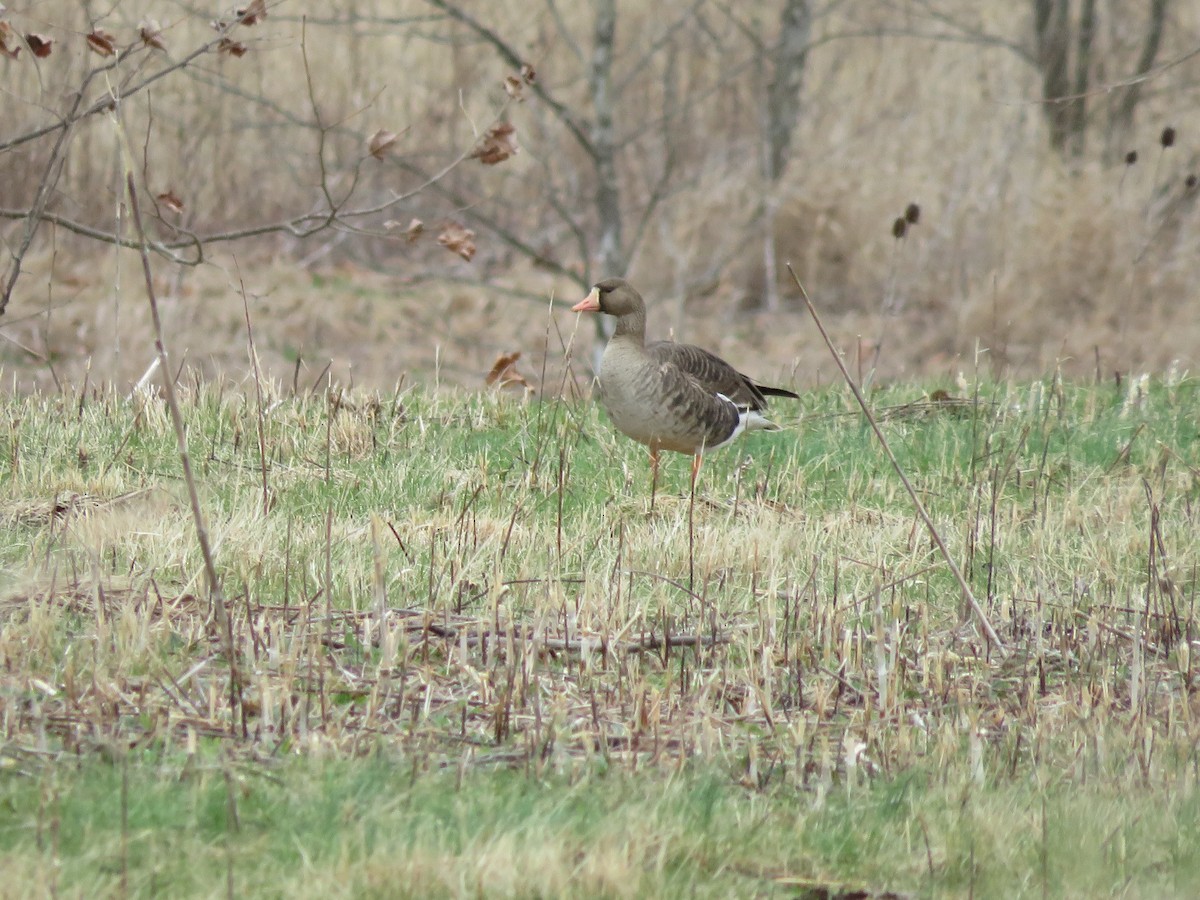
473, 658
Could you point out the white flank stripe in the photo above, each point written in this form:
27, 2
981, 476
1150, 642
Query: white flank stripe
748, 420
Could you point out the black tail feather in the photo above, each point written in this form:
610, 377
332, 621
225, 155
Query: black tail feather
776, 392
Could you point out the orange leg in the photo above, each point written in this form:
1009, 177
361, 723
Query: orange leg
653, 475
696, 462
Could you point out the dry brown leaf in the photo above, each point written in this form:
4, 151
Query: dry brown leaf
9, 46
513, 86
151, 34
413, 230
233, 48
457, 239
498, 144
528, 75
381, 142
504, 372
171, 201
252, 14
39, 45
101, 42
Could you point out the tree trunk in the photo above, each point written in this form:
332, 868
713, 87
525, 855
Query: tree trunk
1076, 107
784, 93
1050, 24
783, 112
1125, 100
611, 254
610, 257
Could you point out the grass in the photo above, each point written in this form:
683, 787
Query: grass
476, 661
336, 828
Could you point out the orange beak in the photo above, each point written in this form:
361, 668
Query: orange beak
590, 303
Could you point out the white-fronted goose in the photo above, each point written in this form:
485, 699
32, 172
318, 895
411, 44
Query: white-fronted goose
666, 395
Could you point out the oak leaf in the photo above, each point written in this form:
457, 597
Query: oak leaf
504, 372
171, 201
457, 239
39, 45
101, 42
252, 14
151, 34
232, 47
498, 144
381, 142
9, 46
413, 230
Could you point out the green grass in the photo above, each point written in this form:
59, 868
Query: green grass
477, 661
370, 828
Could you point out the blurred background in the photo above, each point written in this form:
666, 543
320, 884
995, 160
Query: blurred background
416, 189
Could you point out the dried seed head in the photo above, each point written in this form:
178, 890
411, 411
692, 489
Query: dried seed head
1130, 157
912, 213
1167, 138
1190, 182
899, 227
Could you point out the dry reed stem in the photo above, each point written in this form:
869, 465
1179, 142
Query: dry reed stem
210, 568
968, 594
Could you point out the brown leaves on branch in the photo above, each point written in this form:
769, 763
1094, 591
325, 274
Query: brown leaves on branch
231, 47
412, 231
252, 14
515, 86
101, 42
381, 142
171, 201
151, 34
457, 239
498, 144
10, 46
39, 45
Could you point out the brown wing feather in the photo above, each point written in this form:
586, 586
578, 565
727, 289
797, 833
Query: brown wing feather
710, 419
714, 375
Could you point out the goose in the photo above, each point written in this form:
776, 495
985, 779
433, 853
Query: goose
671, 396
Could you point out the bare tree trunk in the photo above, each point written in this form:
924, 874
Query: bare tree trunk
1076, 107
1050, 24
1125, 100
782, 113
611, 256
784, 93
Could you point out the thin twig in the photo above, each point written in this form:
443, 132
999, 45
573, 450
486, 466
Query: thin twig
258, 393
210, 568
990, 632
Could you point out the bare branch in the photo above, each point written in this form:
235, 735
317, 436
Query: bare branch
563, 31
513, 59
